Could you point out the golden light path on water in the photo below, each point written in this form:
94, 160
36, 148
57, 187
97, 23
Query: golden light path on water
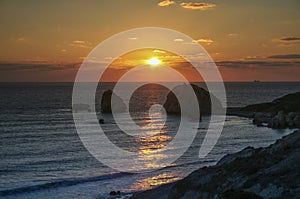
153, 181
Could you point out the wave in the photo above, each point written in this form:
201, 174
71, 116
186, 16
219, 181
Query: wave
61, 183
75, 181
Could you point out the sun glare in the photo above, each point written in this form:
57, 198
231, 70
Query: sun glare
153, 61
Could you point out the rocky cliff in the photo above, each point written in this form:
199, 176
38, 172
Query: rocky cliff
271, 172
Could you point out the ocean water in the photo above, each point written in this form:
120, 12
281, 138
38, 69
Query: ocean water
41, 155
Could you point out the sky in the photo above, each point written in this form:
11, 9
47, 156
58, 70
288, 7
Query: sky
46, 41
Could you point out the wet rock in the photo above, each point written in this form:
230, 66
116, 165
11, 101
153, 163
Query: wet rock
297, 121
279, 121
260, 118
114, 193
101, 121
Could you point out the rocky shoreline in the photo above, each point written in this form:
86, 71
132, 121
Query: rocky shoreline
281, 113
270, 172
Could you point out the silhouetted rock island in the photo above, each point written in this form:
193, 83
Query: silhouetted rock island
204, 99
106, 104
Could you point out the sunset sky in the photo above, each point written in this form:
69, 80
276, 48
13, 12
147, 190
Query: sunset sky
46, 41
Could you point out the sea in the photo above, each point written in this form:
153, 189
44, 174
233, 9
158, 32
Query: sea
42, 155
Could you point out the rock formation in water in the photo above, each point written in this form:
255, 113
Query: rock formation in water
106, 104
271, 172
204, 99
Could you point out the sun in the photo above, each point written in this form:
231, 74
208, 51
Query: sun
154, 61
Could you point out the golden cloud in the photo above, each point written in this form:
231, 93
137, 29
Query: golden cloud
197, 6
178, 40
81, 44
206, 41
159, 51
166, 3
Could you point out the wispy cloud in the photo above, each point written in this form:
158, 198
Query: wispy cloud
81, 44
159, 51
197, 6
133, 38
232, 34
257, 64
206, 41
166, 3
178, 40
288, 56
20, 39
287, 41
290, 39
36, 66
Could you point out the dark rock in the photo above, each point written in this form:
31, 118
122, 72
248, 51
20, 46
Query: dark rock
114, 193
279, 121
237, 111
296, 121
271, 172
278, 114
288, 103
290, 119
261, 117
237, 194
204, 99
106, 104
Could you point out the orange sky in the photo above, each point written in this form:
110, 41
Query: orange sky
47, 41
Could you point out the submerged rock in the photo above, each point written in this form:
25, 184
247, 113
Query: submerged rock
114, 193
270, 172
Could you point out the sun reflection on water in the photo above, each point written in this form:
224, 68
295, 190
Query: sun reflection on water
155, 138
153, 181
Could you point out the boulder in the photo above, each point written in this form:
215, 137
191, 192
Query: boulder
114, 193
279, 121
297, 121
261, 117
290, 119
